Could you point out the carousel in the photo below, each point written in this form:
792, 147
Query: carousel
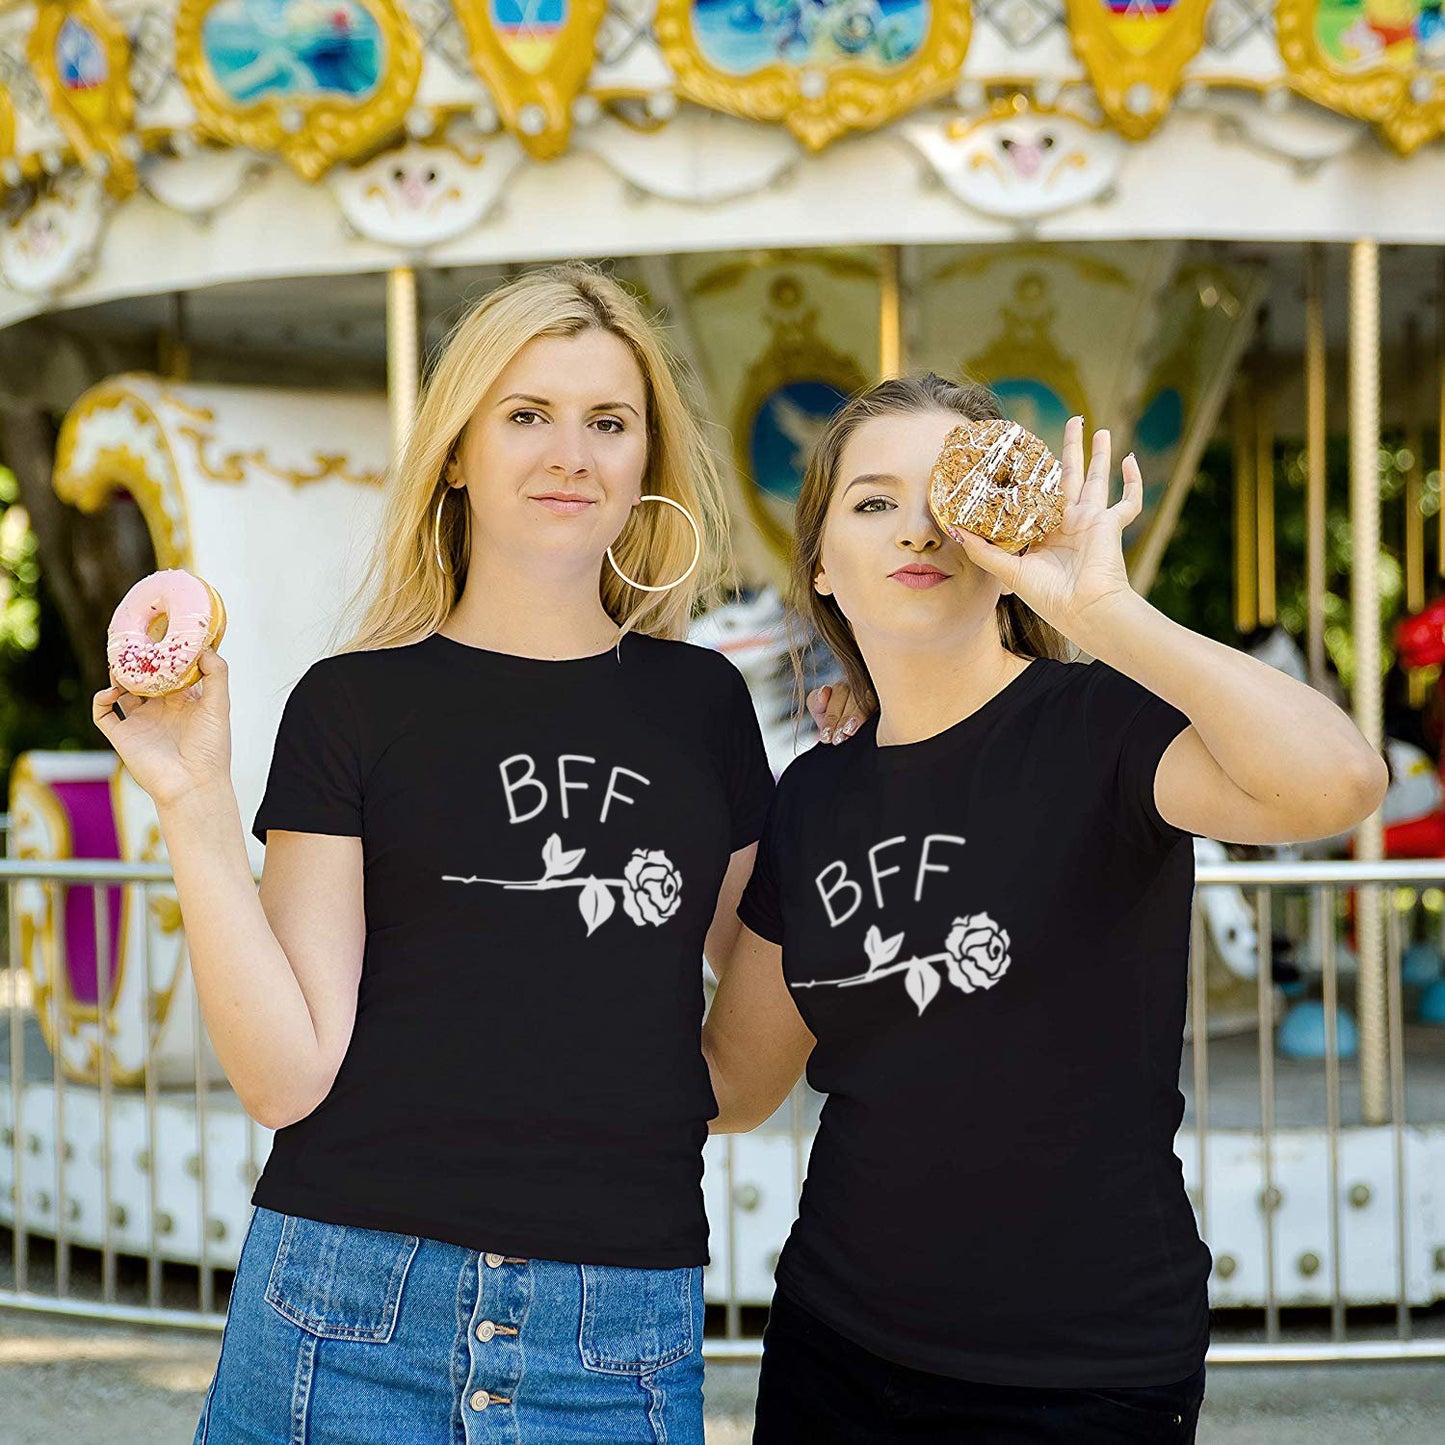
232, 229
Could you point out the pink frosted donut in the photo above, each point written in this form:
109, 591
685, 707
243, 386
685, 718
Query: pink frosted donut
161, 627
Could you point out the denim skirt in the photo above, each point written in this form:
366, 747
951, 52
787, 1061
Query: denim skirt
337, 1335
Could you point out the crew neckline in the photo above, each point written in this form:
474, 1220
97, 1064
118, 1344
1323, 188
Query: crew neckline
930, 749
441, 642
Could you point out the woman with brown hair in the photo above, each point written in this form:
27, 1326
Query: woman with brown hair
971, 921
468, 998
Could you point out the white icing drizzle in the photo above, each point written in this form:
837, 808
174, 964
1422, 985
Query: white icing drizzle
1029, 499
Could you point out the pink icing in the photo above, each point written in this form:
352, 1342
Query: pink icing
145, 666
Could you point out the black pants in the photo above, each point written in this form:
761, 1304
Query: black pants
818, 1388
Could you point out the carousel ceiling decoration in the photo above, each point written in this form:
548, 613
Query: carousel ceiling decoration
1304, 135
420, 194
417, 119
822, 67
713, 157
535, 56
7, 128
202, 182
788, 335
314, 83
1018, 160
1134, 51
80, 57
1376, 60
53, 242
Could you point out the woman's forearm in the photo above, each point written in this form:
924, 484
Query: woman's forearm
1276, 738
254, 1010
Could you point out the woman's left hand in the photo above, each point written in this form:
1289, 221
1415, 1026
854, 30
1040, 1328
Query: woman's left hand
1078, 569
831, 708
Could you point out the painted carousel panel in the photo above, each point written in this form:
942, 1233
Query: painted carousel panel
1376, 60
822, 67
315, 81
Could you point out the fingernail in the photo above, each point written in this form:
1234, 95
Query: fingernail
851, 726
827, 735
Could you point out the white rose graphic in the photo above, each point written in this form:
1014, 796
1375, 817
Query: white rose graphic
977, 952
651, 887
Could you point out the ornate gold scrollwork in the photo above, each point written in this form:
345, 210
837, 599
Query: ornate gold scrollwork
361, 60
535, 58
821, 68
81, 58
1134, 55
1376, 60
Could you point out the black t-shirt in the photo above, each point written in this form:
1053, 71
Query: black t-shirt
993, 1192
525, 1074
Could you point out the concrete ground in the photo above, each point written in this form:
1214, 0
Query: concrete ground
64, 1380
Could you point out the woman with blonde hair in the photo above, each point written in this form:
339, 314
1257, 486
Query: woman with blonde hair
971, 921
503, 825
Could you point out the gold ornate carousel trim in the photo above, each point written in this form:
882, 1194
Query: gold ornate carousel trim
818, 102
99, 128
1136, 86
232, 466
161, 499
310, 133
1383, 93
535, 103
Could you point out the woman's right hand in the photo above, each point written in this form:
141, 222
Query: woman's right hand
176, 744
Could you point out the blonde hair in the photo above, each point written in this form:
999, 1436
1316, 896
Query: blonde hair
404, 596
1021, 630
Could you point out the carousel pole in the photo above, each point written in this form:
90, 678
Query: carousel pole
1368, 684
403, 360
1321, 920
1246, 567
1265, 561
1440, 410
1315, 462
1414, 492
890, 311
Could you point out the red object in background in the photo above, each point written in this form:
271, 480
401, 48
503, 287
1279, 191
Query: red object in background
1420, 640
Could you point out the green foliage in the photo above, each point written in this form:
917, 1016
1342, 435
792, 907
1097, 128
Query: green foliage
40, 695
1195, 585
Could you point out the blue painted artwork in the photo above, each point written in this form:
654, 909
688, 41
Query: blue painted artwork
79, 56
784, 432
301, 48
744, 36
1035, 406
1156, 439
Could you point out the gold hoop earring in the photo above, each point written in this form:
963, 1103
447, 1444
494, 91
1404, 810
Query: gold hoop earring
436, 533
696, 550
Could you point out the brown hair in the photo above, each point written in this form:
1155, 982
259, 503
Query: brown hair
1021, 630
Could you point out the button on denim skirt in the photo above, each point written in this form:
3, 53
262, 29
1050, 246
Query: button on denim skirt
337, 1335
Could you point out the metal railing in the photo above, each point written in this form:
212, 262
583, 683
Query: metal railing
145, 1178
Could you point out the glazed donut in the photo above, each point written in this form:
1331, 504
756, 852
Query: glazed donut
998, 480
161, 627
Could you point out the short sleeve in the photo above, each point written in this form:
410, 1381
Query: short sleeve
760, 907
314, 785
748, 776
1131, 728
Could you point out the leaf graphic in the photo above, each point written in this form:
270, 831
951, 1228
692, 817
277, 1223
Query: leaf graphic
872, 942
922, 982
566, 862
551, 850
596, 904
890, 949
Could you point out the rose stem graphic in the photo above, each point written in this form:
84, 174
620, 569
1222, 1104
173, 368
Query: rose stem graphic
875, 974
540, 882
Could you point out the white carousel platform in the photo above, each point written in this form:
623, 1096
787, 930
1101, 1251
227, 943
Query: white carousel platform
170, 1199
